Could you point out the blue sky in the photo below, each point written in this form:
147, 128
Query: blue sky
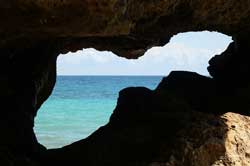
186, 51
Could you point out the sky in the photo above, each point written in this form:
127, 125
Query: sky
186, 51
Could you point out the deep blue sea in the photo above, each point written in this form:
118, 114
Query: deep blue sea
81, 104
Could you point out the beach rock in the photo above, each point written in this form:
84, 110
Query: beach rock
157, 128
232, 63
34, 33
116, 25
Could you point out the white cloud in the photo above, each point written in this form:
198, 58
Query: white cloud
177, 55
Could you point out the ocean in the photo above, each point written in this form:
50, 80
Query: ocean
79, 105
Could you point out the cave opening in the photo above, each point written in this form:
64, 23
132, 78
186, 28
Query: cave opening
89, 81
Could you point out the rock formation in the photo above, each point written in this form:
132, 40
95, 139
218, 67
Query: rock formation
180, 123
163, 128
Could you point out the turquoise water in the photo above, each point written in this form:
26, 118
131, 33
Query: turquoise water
81, 104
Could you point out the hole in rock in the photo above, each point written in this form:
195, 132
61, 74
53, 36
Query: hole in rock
89, 81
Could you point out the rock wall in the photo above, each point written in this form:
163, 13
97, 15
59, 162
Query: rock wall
25, 85
117, 25
163, 128
34, 33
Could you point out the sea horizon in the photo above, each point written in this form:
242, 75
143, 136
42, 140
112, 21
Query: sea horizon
117, 75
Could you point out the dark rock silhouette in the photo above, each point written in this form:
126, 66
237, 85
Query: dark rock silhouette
160, 127
146, 125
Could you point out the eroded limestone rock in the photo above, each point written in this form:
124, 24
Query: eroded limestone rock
34, 33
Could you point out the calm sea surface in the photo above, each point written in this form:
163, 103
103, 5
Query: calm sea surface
81, 104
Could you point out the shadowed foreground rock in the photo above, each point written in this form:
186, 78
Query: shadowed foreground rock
147, 127
161, 128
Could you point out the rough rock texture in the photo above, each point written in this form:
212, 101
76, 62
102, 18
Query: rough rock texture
117, 25
34, 32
